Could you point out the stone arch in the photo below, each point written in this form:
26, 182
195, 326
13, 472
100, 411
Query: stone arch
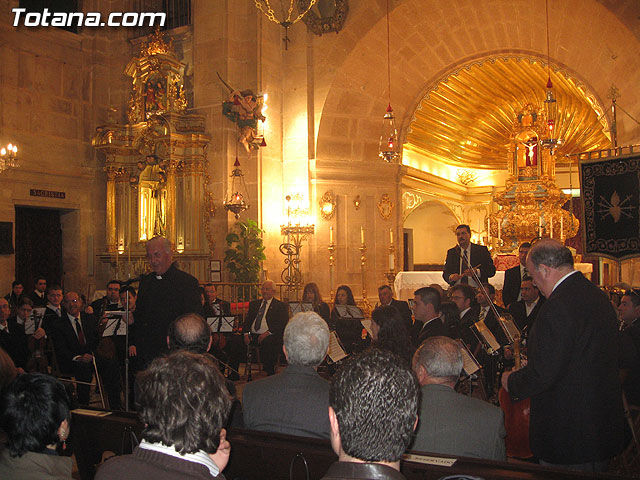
429, 37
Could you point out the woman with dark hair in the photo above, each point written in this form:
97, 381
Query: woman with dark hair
451, 319
34, 413
390, 332
311, 294
348, 330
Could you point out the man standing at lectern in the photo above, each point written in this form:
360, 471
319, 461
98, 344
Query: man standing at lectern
465, 255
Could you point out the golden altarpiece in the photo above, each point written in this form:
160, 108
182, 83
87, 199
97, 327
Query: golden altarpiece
156, 168
530, 206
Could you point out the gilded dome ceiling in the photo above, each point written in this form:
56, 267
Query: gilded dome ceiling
467, 119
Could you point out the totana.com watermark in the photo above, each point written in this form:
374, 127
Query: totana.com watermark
89, 19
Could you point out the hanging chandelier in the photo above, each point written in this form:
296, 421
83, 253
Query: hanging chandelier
8, 157
389, 148
237, 197
265, 7
551, 139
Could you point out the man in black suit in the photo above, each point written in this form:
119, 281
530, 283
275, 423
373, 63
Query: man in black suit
571, 376
74, 337
12, 337
465, 255
110, 302
164, 294
464, 297
629, 310
386, 298
53, 310
513, 277
38, 296
213, 305
264, 325
426, 308
525, 311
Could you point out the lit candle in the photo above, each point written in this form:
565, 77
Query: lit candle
499, 229
551, 227
391, 235
488, 229
331, 235
362, 235
540, 226
561, 228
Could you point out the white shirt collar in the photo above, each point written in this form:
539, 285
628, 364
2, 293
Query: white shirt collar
199, 457
563, 279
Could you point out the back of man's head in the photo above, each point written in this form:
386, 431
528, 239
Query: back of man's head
550, 253
441, 361
184, 402
375, 399
189, 332
306, 339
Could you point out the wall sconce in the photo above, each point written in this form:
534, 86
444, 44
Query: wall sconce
327, 206
180, 246
121, 246
357, 202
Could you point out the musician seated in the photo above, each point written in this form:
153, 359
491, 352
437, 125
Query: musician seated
385, 295
75, 338
488, 310
264, 326
348, 330
14, 296
311, 294
111, 301
525, 311
34, 335
464, 296
426, 311
12, 337
53, 309
450, 423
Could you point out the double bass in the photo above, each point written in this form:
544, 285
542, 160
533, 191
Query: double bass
516, 414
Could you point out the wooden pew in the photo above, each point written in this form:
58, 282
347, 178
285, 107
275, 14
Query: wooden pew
262, 455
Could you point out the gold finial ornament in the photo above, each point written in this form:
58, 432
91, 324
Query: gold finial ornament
156, 45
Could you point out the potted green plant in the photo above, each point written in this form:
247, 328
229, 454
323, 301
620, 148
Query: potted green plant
244, 254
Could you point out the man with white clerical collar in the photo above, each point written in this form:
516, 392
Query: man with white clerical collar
164, 294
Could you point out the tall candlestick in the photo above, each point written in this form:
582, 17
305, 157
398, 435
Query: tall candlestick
499, 230
540, 226
391, 235
551, 227
488, 229
330, 234
561, 228
391, 262
362, 235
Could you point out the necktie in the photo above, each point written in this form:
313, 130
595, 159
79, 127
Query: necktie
258, 323
524, 273
58, 312
465, 265
80, 334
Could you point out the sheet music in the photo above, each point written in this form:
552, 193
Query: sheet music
510, 328
469, 364
112, 322
297, 307
336, 352
366, 323
226, 324
484, 331
349, 311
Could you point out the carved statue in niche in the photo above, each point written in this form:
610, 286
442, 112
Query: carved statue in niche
155, 94
244, 108
153, 202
